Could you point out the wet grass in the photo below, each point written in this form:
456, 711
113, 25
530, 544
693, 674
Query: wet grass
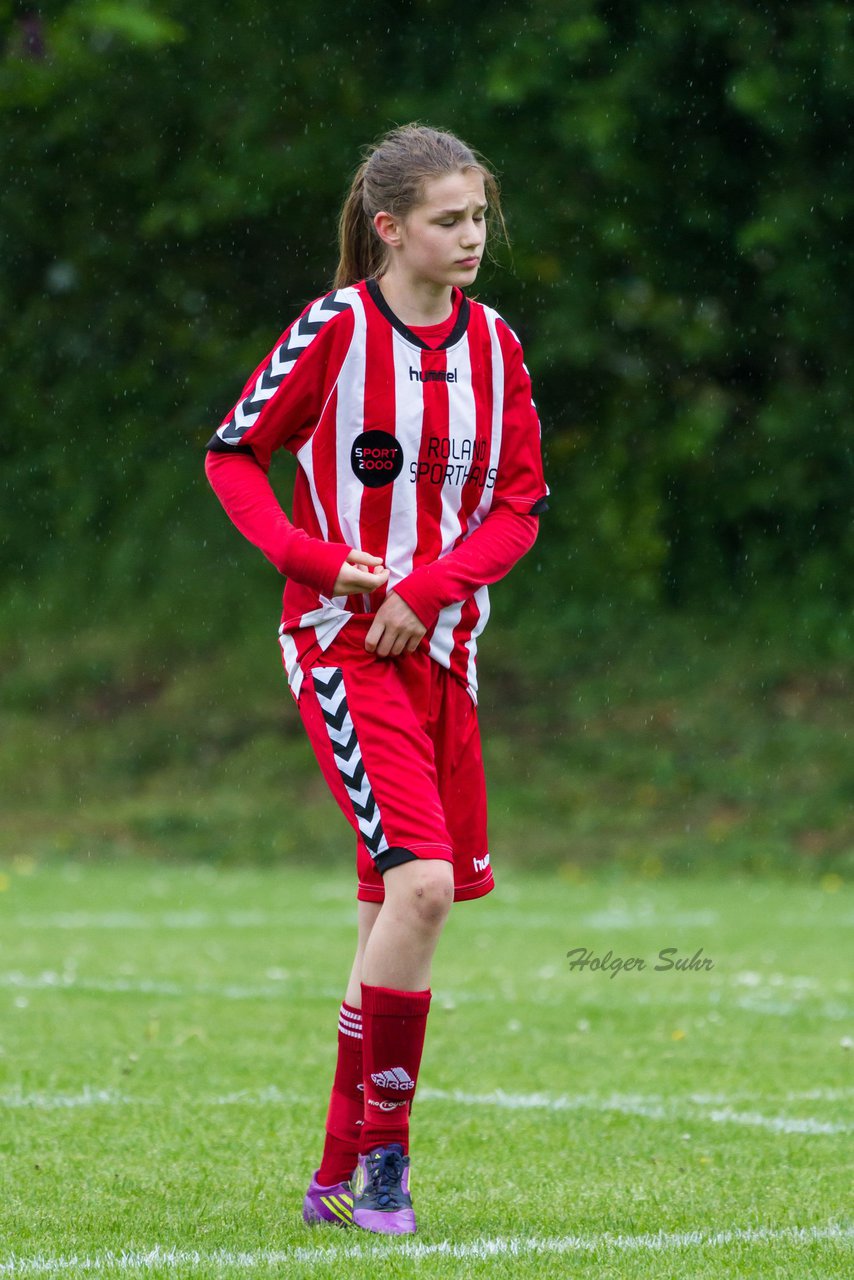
167, 1041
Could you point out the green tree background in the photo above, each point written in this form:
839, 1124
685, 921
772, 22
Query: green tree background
678, 186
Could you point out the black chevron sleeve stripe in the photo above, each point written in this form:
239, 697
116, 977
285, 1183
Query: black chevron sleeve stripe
333, 303
308, 328
300, 336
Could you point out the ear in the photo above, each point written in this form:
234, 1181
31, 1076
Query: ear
388, 229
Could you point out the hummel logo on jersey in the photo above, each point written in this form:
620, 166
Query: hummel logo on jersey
480, 864
432, 375
393, 1078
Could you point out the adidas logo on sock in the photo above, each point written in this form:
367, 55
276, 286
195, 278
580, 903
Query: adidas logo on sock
393, 1078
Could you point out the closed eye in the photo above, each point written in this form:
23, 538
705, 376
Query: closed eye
451, 222
449, 219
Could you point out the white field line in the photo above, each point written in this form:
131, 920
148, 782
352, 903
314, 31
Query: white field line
69, 981
253, 918
700, 1107
287, 983
180, 921
604, 1245
777, 1124
648, 918
341, 909
820, 1095
87, 1097
651, 1107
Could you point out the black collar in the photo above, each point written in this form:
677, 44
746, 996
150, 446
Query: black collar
452, 338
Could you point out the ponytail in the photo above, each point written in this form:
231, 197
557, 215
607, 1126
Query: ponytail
391, 178
361, 252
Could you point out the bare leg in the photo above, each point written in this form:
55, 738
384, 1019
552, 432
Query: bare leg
397, 937
368, 912
399, 949
396, 941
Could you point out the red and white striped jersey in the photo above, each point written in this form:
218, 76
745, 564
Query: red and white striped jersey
403, 451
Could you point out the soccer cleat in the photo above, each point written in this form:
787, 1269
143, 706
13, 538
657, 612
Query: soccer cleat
328, 1204
381, 1200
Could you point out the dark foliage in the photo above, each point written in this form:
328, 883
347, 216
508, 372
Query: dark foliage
678, 186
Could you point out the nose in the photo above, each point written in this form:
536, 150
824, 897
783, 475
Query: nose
472, 233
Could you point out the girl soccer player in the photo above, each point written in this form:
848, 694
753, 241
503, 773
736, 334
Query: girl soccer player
408, 408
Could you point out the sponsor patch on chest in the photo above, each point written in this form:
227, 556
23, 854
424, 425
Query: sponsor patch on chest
376, 458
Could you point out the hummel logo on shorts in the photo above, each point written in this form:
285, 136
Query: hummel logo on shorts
393, 1078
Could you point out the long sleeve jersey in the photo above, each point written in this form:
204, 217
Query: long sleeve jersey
429, 458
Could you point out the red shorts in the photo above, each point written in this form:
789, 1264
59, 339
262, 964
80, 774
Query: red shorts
399, 745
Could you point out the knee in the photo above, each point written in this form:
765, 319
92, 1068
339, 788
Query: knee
433, 897
427, 892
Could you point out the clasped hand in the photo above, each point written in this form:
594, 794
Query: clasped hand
395, 628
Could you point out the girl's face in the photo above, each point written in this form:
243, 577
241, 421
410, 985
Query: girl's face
441, 240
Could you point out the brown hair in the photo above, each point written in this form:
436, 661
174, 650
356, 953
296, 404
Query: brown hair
391, 178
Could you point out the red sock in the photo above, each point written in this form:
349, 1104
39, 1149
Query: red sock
394, 1026
346, 1107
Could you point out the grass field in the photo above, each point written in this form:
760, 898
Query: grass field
167, 1039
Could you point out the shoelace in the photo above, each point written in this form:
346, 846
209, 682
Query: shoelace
386, 1172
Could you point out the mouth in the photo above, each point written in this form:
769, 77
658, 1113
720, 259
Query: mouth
468, 262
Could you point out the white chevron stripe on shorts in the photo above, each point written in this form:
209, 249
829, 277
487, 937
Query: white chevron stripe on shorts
332, 697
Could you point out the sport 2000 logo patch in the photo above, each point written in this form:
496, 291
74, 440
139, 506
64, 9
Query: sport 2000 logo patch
376, 458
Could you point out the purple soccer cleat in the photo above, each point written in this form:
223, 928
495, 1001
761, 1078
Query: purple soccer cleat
328, 1204
381, 1200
